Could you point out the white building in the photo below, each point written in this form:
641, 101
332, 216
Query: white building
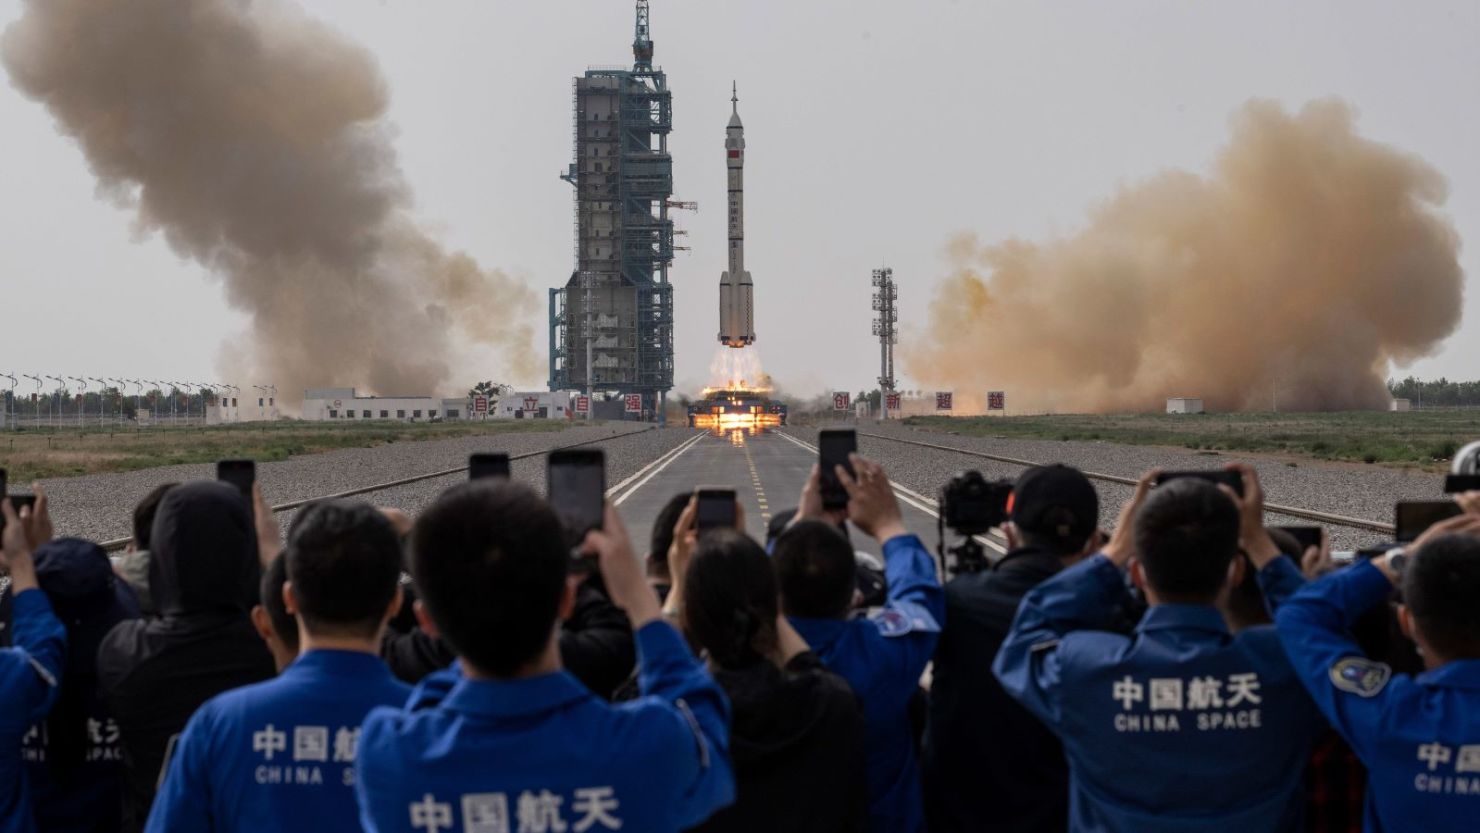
1184, 405
542, 404
1400, 405
343, 404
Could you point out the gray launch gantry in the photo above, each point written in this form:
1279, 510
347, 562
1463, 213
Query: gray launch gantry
611, 325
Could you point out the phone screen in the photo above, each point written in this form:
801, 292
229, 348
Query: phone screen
239, 473
488, 465
1305, 536
577, 488
716, 509
1415, 516
833, 447
3, 486
1232, 479
1454, 483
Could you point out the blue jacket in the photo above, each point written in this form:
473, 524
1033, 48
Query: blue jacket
1419, 737
29, 675
277, 755
1180, 727
882, 657
545, 754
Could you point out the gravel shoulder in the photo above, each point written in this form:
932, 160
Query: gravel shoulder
99, 506
1341, 488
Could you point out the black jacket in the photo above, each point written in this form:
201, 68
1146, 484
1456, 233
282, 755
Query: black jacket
154, 673
796, 743
988, 763
595, 645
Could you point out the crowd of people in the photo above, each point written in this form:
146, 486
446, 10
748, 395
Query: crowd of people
467, 672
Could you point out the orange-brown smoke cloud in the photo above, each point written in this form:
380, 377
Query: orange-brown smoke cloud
254, 139
1299, 268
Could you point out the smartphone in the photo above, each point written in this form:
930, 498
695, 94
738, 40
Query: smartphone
833, 447
239, 473
2, 482
1415, 516
716, 508
576, 479
488, 465
1305, 536
1232, 479
1455, 483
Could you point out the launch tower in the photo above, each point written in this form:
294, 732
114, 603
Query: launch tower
611, 325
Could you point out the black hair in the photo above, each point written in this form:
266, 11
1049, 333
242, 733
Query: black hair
144, 514
344, 561
489, 559
662, 535
1440, 585
284, 624
815, 570
1186, 535
730, 599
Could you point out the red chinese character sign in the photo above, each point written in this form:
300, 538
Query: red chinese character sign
840, 402
531, 404
996, 400
943, 400
634, 403
583, 404
892, 401
480, 404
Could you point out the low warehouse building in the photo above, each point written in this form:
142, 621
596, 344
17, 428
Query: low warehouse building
1184, 405
342, 403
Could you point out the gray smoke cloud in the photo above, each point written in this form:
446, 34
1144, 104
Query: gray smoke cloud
254, 139
1305, 262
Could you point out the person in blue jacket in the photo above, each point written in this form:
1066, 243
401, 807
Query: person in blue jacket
883, 655
1419, 736
1182, 726
30, 670
506, 740
280, 755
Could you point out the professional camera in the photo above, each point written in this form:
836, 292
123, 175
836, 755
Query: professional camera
970, 504
1464, 470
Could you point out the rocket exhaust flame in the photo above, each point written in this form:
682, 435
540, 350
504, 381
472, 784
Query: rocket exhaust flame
254, 138
1295, 272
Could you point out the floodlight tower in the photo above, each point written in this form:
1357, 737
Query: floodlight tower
886, 327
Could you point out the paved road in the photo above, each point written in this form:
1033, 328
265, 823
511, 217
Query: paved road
767, 472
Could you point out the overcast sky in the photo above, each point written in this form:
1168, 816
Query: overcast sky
875, 130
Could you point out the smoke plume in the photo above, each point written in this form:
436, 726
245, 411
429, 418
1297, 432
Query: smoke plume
254, 139
1299, 268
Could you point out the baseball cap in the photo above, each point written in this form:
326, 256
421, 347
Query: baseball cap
1056, 502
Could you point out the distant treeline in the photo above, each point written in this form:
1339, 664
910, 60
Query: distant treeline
1437, 393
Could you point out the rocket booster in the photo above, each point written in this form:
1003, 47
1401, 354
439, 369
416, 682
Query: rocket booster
736, 321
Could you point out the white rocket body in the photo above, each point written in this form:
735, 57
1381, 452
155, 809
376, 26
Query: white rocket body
736, 318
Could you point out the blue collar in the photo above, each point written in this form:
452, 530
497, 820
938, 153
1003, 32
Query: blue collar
1461, 673
818, 633
516, 698
1166, 617
325, 662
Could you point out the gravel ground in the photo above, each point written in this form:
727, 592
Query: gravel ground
1352, 490
99, 506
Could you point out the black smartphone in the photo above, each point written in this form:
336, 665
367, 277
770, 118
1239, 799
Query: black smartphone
3, 486
1305, 536
1232, 479
1455, 483
239, 473
833, 447
488, 465
576, 479
715, 508
1415, 516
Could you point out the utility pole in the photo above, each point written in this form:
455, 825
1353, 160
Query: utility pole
886, 327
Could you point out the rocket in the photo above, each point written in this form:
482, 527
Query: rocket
736, 321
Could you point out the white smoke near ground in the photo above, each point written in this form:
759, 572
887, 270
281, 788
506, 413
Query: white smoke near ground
254, 139
1298, 270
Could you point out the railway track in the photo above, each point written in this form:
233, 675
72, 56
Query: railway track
117, 544
1326, 518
